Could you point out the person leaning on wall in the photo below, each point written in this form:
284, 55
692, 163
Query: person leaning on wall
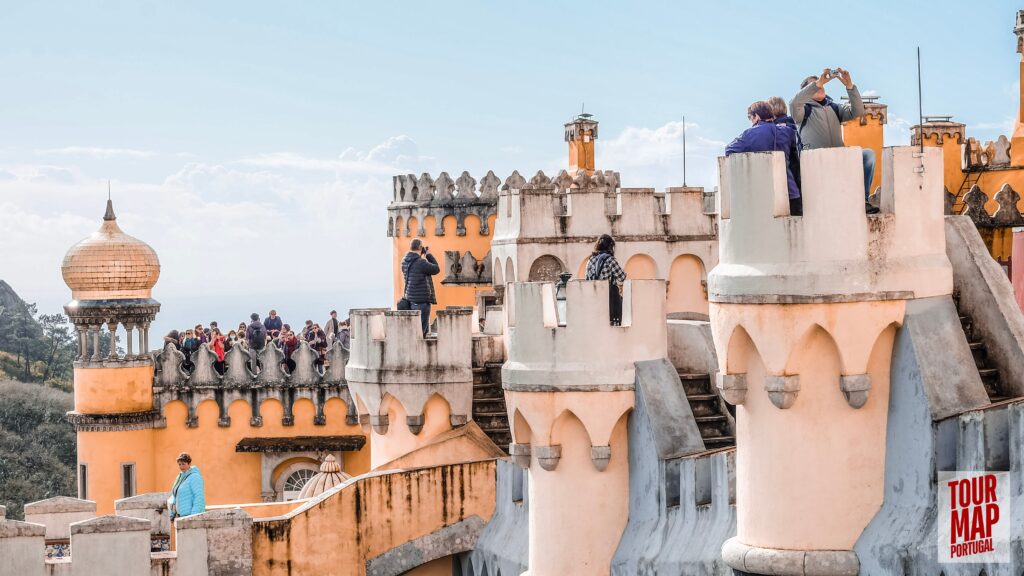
188, 495
603, 266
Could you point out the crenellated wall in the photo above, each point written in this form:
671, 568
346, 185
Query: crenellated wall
394, 370
546, 226
456, 221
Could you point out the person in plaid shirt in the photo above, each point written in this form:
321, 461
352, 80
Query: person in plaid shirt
603, 266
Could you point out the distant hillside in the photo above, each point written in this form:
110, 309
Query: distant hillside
37, 446
34, 347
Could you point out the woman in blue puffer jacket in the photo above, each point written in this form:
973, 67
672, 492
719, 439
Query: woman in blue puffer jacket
187, 495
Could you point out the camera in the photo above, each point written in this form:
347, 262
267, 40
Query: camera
834, 72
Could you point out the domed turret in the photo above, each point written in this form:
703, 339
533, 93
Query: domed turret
111, 276
110, 265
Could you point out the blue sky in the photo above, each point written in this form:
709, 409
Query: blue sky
252, 143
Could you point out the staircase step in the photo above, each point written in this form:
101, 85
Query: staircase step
719, 442
710, 419
988, 374
702, 397
694, 384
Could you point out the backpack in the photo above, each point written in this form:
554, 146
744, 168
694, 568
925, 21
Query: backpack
257, 336
403, 302
807, 114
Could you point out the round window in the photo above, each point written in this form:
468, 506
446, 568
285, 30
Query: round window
293, 485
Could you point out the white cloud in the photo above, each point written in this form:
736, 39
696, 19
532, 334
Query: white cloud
896, 131
653, 157
97, 152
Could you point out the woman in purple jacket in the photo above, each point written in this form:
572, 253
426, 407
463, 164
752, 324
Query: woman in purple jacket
765, 136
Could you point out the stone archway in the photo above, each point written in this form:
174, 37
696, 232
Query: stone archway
546, 268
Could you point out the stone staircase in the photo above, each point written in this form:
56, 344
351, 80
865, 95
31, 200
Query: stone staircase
717, 427
989, 373
489, 404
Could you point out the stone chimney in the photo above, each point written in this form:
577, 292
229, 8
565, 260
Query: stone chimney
581, 134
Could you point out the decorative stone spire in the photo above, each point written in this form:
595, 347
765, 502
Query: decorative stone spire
109, 215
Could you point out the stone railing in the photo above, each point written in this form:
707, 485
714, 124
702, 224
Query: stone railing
132, 542
271, 379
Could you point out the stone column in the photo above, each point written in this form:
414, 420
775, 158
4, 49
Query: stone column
21, 547
128, 328
95, 342
83, 343
215, 542
144, 347
112, 327
111, 545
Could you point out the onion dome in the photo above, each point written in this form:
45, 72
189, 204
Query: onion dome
110, 265
330, 476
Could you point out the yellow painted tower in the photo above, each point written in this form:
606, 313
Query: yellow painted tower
867, 132
581, 134
111, 276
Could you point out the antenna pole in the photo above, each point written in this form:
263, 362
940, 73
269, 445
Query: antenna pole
108, 189
684, 151
920, 106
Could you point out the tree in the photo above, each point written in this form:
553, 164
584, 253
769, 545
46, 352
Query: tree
60, 347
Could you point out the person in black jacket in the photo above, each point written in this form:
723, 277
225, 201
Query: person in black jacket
417, 268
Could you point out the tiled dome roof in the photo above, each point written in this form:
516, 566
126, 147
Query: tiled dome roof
330, 476
110, 265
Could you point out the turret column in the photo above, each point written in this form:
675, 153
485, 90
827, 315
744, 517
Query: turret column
804, 312
410, 388
569, 385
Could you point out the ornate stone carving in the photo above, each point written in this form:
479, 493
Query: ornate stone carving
563, 181
443, 188
855, 387
549, 456
540, 179
600, 456
520, 454
466, 185
782, 390
489, 187
545, 269
974, 202
1000, 152
1007, 214
733, 387
515, 181
464, 268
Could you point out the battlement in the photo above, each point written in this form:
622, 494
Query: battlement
389, 346
834, 252
591, 205
581, 351
419, 198
392, 360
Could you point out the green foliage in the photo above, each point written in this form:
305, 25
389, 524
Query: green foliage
37, 445
35, 347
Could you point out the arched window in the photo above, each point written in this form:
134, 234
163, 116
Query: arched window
293, 485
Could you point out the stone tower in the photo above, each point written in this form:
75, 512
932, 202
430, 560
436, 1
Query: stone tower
804, 312
409, 389
111, 276
569, 383
1017, 141
581, 134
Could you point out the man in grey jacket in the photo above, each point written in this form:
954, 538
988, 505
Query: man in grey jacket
821, 120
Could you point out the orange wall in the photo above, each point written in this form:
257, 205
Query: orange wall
113, 390
867, 136
474, 242
372, 516
230, 477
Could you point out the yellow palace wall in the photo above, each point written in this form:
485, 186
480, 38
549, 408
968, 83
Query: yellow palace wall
473, 242
230, 477
868, 135
113, 390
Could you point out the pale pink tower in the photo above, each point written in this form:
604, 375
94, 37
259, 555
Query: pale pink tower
569, 382
804, 311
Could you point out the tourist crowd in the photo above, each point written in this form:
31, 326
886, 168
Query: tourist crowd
255, 335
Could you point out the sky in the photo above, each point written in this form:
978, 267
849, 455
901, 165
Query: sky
252, 144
